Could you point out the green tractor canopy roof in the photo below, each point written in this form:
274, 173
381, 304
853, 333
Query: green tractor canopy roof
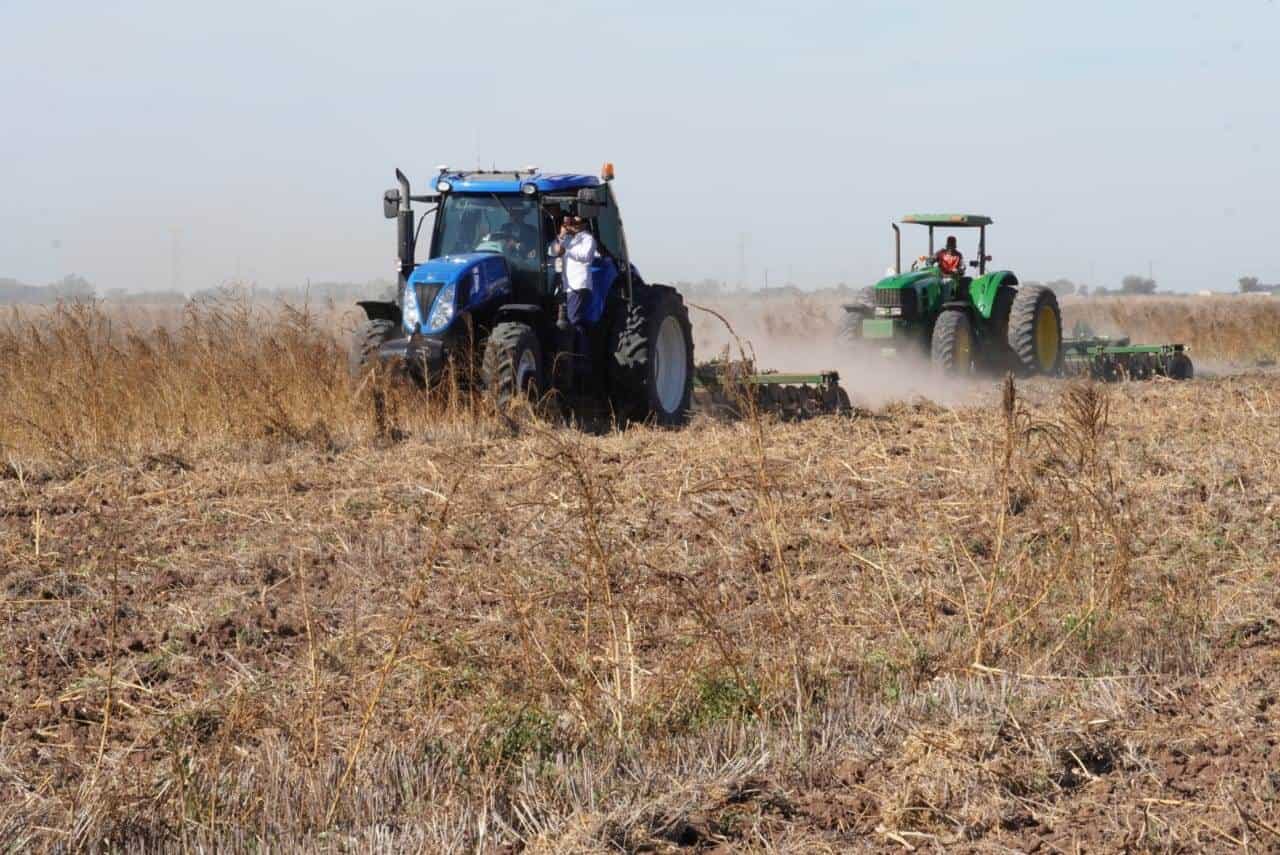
961, 220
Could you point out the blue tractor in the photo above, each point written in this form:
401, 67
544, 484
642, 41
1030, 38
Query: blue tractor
488, 298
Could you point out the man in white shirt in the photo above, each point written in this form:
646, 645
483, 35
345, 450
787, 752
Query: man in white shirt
577, 249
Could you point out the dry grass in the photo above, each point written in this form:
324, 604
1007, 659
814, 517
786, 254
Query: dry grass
250, 606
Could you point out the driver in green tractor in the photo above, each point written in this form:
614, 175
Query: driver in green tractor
949, 260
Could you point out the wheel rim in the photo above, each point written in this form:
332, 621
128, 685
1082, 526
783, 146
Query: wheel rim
527, 373
670, 370
1046, 337
964, 349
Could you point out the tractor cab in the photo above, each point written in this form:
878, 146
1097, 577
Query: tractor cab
957, 266
516, 215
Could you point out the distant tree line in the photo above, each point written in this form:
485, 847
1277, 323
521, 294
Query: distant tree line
68, 288
1251, 285
1131, 285
74, 288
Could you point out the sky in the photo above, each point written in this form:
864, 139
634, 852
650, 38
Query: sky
253, 140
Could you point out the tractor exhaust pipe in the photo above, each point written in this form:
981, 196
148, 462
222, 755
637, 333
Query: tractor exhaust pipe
404, 229
897, 249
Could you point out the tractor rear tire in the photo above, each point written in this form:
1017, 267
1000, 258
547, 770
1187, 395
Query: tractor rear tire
1035, 330
365, 341
651, 364
512, 364
953, 346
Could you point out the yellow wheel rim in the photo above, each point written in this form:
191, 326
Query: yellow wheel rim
1047, 337
964, 349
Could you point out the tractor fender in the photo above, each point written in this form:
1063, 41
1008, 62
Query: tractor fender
983, 290
526, 312
381, 310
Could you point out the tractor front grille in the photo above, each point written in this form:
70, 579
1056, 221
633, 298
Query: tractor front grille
888, 297
426, 293
896, 302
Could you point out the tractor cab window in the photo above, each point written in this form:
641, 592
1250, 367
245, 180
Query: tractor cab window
491, 223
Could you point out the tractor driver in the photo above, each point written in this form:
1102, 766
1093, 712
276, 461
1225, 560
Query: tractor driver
502, 239
524, 234
577, 249
949, 260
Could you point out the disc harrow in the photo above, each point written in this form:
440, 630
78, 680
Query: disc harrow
734, 387
1115, 359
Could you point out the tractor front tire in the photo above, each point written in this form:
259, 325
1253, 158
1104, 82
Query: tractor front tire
953, 346
365, 341
512, 365
1035, 330
651, 360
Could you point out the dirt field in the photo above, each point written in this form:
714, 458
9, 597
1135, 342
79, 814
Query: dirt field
248, 606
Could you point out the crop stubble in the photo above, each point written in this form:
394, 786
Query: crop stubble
244, 603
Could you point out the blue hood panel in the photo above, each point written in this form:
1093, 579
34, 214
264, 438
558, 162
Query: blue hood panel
451, 268
478, 279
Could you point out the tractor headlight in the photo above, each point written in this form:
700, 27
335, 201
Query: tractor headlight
528, 189
442, 310
888, 311
443, 186
411, 313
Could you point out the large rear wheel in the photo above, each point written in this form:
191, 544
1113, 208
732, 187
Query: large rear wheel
651, 366
512, 364
1035, 330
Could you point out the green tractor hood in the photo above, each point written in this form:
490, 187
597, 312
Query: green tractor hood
909, 279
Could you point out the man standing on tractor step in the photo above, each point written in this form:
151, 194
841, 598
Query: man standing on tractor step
577, 249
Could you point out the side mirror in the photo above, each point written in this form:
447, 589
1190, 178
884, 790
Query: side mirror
391, 203
973, 263
589, 210
597, 196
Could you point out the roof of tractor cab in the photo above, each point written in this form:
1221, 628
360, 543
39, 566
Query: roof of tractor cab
961, 220
512, 181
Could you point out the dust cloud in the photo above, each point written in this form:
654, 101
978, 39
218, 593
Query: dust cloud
804, 336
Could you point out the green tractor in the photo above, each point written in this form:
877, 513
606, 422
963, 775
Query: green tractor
963, 323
